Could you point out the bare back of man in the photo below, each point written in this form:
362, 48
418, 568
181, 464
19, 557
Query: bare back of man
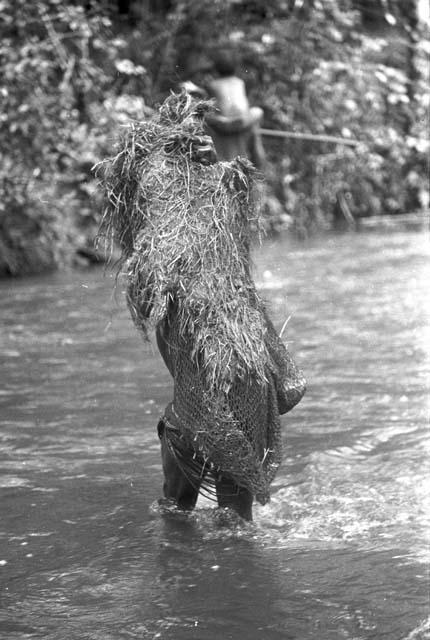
234, 126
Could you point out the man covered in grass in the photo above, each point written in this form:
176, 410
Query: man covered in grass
183, 221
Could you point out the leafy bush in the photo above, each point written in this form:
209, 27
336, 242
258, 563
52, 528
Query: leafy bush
52, 86
314, 70
70, 76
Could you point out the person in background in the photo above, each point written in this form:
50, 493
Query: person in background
234, 126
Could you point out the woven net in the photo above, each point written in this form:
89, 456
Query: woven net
183, 223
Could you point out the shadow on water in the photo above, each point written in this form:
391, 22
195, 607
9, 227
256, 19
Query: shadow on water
342, 549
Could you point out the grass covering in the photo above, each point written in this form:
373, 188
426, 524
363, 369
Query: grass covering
183, 223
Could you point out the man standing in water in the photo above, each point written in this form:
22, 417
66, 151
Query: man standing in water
185, 229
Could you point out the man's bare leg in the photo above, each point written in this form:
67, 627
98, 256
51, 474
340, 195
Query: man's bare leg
239, 499
176, 485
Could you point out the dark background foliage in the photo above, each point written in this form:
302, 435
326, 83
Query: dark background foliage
71, 73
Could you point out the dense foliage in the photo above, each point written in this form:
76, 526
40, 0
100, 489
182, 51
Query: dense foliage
71, 73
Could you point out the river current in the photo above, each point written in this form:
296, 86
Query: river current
342, 550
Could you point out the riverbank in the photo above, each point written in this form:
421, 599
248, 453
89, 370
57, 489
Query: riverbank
29, 252
324, 74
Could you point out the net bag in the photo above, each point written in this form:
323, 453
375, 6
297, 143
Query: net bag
183, 222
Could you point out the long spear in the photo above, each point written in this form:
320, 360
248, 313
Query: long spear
308, 136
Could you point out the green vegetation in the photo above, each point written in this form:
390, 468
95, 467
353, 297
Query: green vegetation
71, 74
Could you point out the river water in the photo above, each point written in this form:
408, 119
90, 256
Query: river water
342, 550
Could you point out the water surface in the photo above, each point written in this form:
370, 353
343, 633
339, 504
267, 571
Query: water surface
341, 552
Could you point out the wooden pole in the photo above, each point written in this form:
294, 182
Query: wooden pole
308, 136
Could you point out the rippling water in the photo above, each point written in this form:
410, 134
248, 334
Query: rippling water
341, 552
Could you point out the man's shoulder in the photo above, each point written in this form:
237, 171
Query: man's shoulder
227, 81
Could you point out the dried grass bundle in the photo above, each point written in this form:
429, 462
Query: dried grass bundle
183, 225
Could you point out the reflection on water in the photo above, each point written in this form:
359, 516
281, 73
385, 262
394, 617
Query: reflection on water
341, 552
